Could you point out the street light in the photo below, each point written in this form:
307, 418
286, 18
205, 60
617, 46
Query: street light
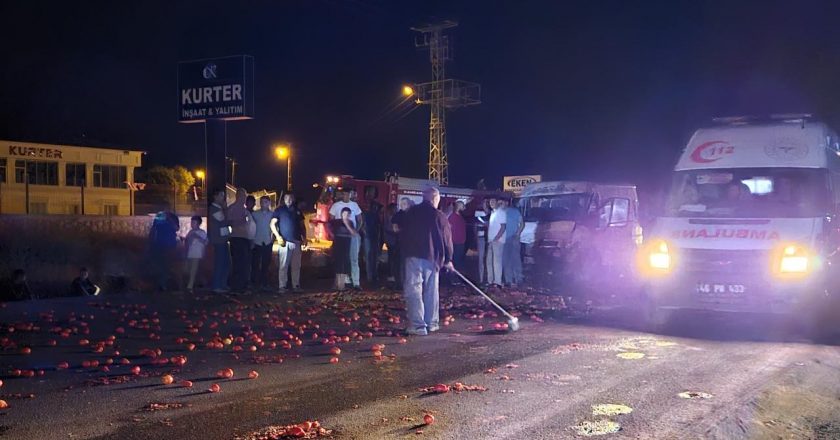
199, 174
407, 90
284, 152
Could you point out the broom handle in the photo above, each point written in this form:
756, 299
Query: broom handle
470, 283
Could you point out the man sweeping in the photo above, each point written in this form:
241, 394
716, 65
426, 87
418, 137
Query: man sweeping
427, 248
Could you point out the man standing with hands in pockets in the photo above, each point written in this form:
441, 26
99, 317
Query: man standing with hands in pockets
427, 248
291, 235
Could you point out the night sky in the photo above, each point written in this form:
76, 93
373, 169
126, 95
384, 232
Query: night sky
589, 89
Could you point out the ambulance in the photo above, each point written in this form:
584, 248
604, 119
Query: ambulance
751, 221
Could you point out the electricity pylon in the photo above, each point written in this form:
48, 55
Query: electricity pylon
441, 94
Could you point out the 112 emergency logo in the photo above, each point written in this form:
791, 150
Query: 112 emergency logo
712, 151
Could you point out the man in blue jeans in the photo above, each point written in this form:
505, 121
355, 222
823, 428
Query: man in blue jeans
512, 259
426, 240
218, 231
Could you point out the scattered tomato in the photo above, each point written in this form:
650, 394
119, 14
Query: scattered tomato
428, 419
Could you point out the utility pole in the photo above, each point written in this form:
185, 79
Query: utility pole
440, 94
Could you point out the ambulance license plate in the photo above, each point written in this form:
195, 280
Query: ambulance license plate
724, 289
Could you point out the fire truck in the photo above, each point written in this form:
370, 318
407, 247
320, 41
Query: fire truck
391, 190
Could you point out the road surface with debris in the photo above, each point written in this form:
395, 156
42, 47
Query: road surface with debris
70, 370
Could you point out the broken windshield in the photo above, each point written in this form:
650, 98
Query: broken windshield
552, 208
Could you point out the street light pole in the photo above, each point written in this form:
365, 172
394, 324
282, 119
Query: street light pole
284, 151
289, 173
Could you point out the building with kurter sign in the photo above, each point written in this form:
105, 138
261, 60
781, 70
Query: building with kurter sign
65, 179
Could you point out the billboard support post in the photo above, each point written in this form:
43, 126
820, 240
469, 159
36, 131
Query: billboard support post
215, 147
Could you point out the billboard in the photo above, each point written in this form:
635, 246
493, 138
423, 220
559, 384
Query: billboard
217, 88
516, 184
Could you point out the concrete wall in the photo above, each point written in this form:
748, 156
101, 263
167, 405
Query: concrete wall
51, 248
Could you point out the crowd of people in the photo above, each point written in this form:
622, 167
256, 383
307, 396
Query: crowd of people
360, 232
422, 240
242, 238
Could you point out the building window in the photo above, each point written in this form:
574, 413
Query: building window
75, 174
2, 170
109, 209
38, 208
40, 173
109, 176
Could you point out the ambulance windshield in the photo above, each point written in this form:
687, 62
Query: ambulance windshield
552, 208
749, 193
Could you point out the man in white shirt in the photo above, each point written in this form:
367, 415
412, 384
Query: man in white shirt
263, 241
356, 241
496, 243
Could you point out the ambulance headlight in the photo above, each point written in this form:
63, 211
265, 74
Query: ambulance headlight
656, 258
793, 260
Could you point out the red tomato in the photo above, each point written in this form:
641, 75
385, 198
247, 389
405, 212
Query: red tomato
167, 379
253, 375
215, 388
428, 419
334, 360
335, 350
186, 383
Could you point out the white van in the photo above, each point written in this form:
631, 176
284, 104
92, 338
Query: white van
750, 223
584, 232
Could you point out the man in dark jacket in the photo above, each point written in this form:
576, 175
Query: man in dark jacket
83, 286
163, 241
426, 240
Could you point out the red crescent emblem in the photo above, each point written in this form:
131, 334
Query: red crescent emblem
697, 154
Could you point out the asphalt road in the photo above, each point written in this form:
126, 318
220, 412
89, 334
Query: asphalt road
545, 381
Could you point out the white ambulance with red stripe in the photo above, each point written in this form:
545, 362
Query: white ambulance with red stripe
751, 221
